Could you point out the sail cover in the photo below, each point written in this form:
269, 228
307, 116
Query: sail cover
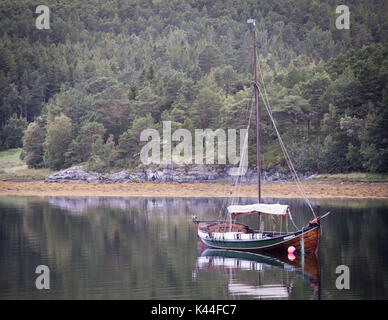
277, 209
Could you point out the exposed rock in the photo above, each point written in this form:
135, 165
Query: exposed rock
74, 174
124, 177
121, 176
198, 173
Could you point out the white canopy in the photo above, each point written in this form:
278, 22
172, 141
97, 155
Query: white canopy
277, 209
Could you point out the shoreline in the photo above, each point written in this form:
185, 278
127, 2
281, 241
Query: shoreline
195, 190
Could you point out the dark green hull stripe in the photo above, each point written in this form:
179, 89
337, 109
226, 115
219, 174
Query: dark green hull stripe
254, 244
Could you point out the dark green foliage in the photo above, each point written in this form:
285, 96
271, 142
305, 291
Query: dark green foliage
209, 58
103, 156
114, 67
12, 133
308, 156
133, 91
206, 108
374, 138
129, 145
81, 147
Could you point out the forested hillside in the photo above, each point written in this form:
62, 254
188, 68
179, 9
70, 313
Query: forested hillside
83, 91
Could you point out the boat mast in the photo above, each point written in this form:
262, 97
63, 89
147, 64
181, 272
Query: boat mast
258, 149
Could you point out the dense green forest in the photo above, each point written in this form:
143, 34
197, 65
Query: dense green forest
82, 91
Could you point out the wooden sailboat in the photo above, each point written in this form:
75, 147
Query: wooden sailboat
237, 236
230, 234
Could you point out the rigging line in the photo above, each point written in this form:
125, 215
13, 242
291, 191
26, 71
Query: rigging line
292, 220
289, 162
286, 155
236, 182
237, 188
237, 185
242, 160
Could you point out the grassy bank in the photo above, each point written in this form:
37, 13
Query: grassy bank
353, 177
12, 168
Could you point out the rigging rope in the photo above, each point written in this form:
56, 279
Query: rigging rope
288, 160
285, 152
235, 189
237, 184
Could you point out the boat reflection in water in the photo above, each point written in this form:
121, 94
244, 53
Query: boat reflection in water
231, 262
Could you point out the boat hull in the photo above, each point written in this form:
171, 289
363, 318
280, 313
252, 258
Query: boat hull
309, 236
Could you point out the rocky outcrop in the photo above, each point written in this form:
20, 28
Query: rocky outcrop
74, 174
200, 173
123, 177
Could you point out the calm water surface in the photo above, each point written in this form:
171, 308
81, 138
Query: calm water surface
126, 248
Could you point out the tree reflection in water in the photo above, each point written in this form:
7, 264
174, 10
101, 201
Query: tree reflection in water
127, 248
